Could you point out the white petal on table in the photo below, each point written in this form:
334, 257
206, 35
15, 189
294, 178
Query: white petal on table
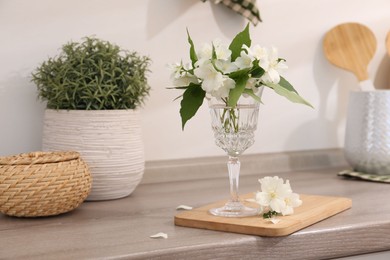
185, 207
160, 235
274, 220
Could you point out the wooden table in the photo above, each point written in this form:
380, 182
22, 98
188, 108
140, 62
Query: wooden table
120, 229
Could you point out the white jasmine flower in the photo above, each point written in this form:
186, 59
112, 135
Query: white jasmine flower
175, 69
224, 89
244, 61
252, 84
226, 66
204, 54
185, 80
221, 51
273, 193
260, 53
272, 72
180, 76
277, 195
292, 201
211, 78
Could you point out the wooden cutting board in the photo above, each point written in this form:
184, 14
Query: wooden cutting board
313, 209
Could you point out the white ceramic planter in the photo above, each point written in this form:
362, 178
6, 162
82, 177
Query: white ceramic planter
109, 141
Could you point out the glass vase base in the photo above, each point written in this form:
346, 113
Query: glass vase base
234, 210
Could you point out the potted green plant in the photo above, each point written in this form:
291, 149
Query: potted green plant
93, 89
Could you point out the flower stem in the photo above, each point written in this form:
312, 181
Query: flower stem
230, 122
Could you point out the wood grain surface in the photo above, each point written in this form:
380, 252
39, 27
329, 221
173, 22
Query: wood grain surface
313, 209
350, 46
388, 43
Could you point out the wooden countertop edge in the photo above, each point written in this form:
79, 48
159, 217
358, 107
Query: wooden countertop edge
295, 246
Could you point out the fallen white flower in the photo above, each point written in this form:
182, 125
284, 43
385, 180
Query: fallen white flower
277, 195
292, 201
160, 235
185, 207
273, 193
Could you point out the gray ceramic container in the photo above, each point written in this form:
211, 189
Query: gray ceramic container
367, 135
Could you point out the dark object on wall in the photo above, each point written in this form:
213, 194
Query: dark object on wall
246, 8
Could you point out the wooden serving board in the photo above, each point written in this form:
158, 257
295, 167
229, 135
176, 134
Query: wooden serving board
313, 209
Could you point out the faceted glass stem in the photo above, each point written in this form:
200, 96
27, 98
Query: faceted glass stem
234, 177
234, 207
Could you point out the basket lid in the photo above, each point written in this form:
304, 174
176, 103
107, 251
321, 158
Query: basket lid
39, 158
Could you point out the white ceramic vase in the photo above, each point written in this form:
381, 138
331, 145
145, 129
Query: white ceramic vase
109, 141
367, 135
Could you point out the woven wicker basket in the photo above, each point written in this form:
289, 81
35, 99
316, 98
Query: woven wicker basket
43, 183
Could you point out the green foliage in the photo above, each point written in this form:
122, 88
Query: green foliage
93, 75
193, 55
285, 89
192, 100
238, 42
235, 93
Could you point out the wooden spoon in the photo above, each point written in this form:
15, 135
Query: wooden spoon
351, 46
388, 43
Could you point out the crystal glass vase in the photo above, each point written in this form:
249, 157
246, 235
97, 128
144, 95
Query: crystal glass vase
234, 132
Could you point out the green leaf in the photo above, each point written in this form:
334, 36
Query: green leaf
290, 94
239, 73
252, 94
240, 39
257, 71
285, 84
235, 93
192, 100
213, 53
193, 56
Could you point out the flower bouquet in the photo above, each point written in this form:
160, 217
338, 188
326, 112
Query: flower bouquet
232, 79
228, 72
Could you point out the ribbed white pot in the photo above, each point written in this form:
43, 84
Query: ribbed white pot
109, 141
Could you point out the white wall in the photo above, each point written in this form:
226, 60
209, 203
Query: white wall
32, 30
